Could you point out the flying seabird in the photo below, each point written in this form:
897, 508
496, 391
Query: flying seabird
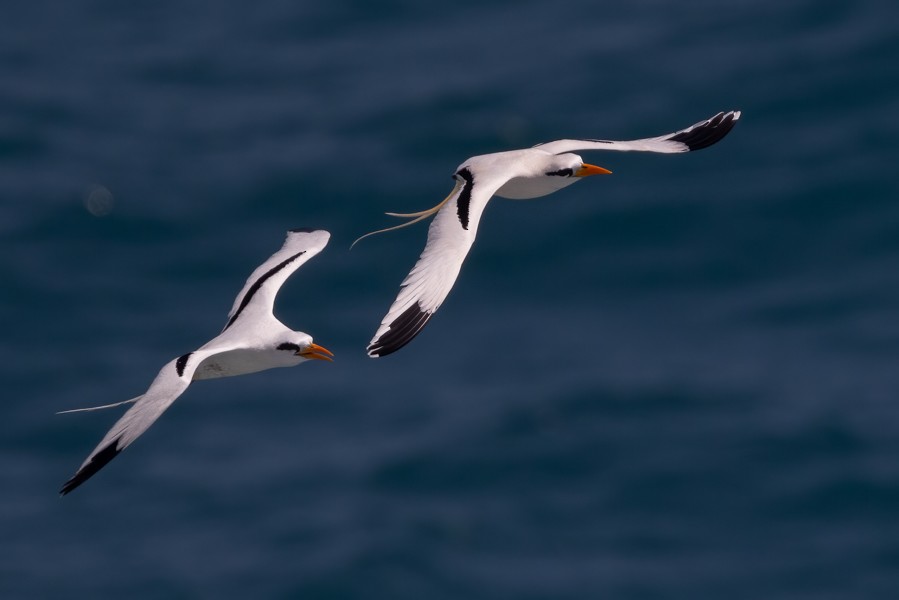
252, 340
516, 174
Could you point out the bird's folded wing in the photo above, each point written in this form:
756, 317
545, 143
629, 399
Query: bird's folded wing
697, 136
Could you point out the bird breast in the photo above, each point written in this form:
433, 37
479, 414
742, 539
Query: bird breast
241, 362
525, 188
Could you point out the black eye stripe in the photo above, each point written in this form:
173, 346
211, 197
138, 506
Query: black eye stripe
562, 173
289, 346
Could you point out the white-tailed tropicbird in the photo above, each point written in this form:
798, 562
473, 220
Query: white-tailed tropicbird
516, 174
252, 340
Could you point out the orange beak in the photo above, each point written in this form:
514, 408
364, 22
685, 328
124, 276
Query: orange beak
588, 170
314, 351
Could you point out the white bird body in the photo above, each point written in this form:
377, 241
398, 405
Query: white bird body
253, 340
515, 174
522, 173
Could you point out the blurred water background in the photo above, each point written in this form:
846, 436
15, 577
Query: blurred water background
679, 381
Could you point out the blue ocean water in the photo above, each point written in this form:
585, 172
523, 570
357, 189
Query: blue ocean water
678, 381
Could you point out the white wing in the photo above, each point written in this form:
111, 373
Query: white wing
697, 136
450, 236
170, 383
257, 298
254, 302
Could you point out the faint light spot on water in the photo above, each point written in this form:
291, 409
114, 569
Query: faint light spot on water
98, 200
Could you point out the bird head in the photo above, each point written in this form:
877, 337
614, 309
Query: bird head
305, 348
572, 165
541, 173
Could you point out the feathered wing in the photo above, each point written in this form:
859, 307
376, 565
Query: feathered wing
255, 301
169, 384
450, 236
257, 297
697, 136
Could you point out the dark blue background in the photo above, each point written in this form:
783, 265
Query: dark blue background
679, 381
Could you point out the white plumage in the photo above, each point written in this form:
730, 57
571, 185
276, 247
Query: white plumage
517, 174
252, 340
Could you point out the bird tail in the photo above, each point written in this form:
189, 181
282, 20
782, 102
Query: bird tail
415, 217
74, 410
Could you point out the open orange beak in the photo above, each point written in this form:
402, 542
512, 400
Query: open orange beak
587, 170
314, 351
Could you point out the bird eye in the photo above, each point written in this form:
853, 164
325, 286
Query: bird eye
561, 173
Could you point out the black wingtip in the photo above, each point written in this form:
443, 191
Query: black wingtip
403, 329
303, 230
707, 133
87, 471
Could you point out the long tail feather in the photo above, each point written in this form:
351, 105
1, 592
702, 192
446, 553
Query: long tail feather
423, 213
400, 226
74, 410
416, 216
